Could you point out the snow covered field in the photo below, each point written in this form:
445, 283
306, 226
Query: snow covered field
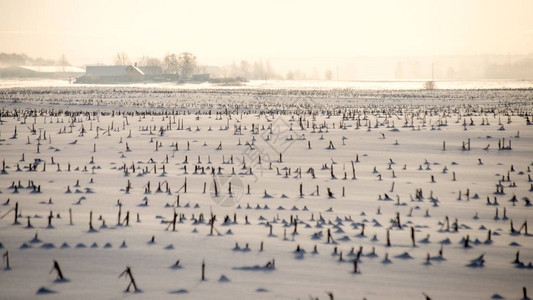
249, 182
6, 83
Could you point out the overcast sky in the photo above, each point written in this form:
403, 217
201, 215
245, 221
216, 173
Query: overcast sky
220, 31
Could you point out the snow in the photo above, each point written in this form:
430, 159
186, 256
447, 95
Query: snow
363, 85
396, 148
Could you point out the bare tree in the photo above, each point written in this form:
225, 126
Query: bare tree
63, 61
259, 70
328, 75
269, 71
150, 61
187, 64
290, 75
170, 64
245, 69
233, 70
122, 59
296, 75
429, 85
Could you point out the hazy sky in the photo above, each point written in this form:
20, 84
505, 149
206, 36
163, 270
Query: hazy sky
220, 31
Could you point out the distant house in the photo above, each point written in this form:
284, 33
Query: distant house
151, 70
213, 71
130, 71
42, 71
200, 77
112, 74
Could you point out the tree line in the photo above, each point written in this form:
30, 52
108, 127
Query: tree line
182, 65
16, 59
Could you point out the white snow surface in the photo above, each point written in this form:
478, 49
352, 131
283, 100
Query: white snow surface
394, 140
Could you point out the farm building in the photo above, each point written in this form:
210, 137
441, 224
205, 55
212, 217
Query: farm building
151, 70
111, 74
120, 74
200, 77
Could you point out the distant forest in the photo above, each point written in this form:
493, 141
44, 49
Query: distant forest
446, 68
522, 69
16, 59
